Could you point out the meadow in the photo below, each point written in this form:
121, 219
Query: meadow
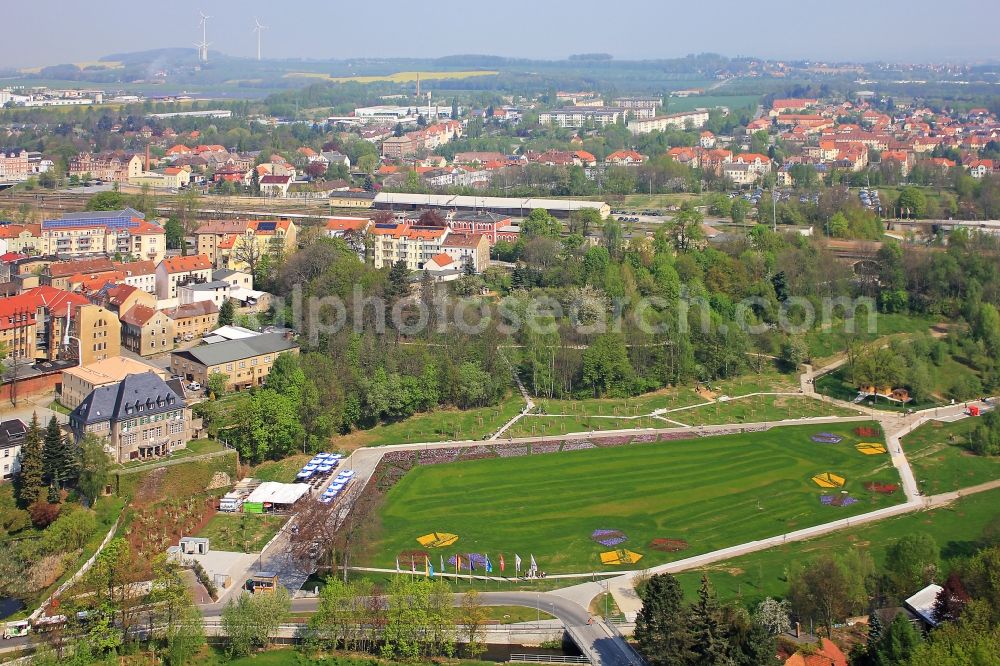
957, 529
706, 492
398, 77
940, 460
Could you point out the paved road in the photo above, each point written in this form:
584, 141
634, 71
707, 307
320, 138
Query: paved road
595, 639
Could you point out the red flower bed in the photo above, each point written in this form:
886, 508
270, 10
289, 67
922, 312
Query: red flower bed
867, 431
883, 488
668, 545
417, 556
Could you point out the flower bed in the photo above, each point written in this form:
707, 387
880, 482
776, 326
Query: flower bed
577, 445
438, 456
477, 453
399, 457
644, 438
545, 447
867, 431
673, 436
416, 556
615, 440
475, 558
511, 450
883, 488
668, 545
837, 500
826, 438
608, 537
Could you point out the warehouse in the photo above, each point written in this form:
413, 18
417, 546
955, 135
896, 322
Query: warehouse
515, 207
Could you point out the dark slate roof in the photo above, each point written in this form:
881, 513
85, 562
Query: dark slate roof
235, 350
12, 433
124, 399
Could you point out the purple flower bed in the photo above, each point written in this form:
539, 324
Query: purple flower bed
577, 445
511, 450
545, 447
672, 436
827, 438
614, 440
609, 537
477, 558
438, 456
837, 500
478, 453
394, 457
645, 438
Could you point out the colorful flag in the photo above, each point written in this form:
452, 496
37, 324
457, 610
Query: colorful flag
413, 565
517, 563
472, 563
458, 563
501, 563
534, 565
428, 569
489, 565
397, 565
442, 565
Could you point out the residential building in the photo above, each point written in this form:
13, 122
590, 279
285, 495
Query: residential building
694, 119
214, 291
78, 382
236, 279
275, 186
21, 237
139, 417
193, 320
226, 243
12, 434
119, 298
60, 274
146, 331
33, 324
14, 165
493, 226
246, 362
625, 158
138, 274
109, 167
406, 243
398, 147
174, 272
576, 116
124, 232
94, 332
468, 250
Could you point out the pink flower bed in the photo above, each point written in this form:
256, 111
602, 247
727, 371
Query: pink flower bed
438, 456
545, 447
511, 450
577, 445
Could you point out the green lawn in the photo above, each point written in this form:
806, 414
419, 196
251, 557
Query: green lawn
750, 578
941, 462
537, 426
283, 470
243, 532
757, 409
436, 426
827, 342
711, 492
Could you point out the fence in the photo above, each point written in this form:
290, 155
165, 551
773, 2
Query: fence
547, 659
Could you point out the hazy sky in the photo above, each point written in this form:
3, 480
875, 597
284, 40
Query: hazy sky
45, 32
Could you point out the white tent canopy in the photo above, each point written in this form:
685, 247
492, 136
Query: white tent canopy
272, 492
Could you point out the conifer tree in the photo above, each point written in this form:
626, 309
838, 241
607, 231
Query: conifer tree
29, 483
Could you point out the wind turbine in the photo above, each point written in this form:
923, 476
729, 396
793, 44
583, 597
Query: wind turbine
203, 46
259, 29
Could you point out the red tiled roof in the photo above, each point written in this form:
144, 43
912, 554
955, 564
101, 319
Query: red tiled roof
138, 315
197, 262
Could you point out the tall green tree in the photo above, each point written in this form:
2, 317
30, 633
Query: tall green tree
708, 640
251, 620
661, 628
94, 463
59, 461
899, 642
29, 484
227, 313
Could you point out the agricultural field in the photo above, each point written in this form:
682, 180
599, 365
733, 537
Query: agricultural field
957, 529
650, 502
733, 102
398, 77
941, 462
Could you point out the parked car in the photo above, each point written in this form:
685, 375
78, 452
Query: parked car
194, 386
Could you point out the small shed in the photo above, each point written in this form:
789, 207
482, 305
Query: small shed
194, 546
262, 581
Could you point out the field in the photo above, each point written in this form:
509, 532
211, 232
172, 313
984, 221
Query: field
956, 529
708, 492
824, 343
941, 463
398, 77
436, 426
733, 102
244, 533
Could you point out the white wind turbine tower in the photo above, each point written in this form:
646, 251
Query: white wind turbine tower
259, 29
204, 44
